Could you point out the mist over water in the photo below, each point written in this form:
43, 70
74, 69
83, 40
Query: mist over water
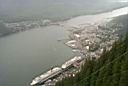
27, 54
53, 9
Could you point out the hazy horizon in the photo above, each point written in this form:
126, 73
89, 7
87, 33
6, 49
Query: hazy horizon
54, 8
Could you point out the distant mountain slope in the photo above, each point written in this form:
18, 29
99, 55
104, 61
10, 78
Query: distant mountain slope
124, 21
111, 69
53, 9
4, 30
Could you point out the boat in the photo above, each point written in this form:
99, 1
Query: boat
46, 76
70, 62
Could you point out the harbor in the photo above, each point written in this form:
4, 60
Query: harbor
89, 39
55, 74
33, 52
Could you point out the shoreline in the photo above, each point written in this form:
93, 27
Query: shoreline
85, 32
48, 22
100, 36
93, 55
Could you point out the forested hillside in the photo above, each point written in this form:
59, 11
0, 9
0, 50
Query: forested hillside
112, 67
110, 70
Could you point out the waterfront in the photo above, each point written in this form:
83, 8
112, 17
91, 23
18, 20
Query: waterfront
28, 54
92, 33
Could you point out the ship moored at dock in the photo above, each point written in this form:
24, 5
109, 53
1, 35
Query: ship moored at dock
56, 71
46, 76
71, 62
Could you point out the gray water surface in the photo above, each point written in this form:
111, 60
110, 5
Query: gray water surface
27, 54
